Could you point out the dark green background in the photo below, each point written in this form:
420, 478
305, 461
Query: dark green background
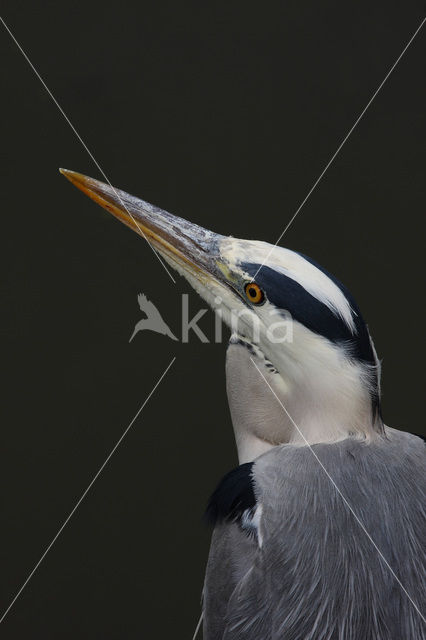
224, 113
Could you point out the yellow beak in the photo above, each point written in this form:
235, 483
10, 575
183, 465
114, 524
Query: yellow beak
182, 243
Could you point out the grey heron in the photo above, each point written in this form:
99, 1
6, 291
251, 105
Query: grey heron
319, 533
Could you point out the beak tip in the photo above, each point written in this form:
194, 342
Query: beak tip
67, 173
77, 179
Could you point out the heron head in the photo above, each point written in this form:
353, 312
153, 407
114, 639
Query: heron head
296, 332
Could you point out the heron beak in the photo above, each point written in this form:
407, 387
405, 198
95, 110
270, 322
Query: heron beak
186, 246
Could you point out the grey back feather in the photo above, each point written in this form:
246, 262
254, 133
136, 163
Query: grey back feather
317, 576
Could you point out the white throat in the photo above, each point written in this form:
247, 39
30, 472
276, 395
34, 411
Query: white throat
325, 394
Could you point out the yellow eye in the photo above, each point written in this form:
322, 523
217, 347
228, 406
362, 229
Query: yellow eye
254, 293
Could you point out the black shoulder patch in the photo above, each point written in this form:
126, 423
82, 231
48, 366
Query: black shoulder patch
233, 496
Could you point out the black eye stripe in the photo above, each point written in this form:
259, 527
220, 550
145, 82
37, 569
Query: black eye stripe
287, 294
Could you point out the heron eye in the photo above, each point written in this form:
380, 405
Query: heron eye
254, 293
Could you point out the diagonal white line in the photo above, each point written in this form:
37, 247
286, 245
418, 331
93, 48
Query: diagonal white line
84, 144
345, 139
198, 627
342, 496
80, 500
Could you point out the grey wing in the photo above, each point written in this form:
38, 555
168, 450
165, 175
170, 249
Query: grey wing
317, 574
230, 559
